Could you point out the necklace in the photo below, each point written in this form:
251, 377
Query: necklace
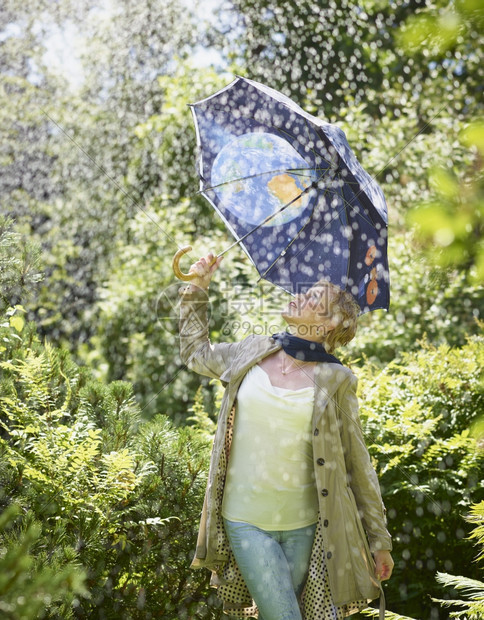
288, 372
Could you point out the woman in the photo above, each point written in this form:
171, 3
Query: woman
293, 524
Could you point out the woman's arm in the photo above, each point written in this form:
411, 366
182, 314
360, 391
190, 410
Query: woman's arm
196, 351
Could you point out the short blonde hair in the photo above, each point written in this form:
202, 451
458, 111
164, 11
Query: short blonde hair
344, 306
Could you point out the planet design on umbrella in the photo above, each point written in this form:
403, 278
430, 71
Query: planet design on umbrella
265, 172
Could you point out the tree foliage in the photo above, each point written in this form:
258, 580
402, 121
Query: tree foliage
74, 174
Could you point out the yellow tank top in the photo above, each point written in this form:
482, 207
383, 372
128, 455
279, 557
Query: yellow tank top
270, 476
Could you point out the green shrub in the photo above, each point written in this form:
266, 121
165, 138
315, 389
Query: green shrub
417, 415
473, 607
27, 591
118, 499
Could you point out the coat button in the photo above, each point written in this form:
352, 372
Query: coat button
329, 555
324, 492
320, 461
326, 523
316, 431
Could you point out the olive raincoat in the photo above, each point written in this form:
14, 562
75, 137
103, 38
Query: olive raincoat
352, 521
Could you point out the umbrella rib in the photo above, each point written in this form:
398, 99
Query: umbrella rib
291, 242
260, 174
355, 209
311, 240
272, 215
287, 247
311, 149
284, 132
265, 220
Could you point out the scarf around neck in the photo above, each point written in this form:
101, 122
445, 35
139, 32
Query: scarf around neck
304, 350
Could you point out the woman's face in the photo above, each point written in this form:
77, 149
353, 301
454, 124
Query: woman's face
312, 308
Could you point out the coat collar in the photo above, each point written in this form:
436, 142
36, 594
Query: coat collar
255, 349
327, 377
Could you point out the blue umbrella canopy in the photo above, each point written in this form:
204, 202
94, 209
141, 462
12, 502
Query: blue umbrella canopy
291, 191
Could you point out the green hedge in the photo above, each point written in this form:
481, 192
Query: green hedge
418, 416
99, 493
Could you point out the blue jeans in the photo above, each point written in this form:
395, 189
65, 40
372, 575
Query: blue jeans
274, 566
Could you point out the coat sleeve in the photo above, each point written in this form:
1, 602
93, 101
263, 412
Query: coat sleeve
196, 351
362, 477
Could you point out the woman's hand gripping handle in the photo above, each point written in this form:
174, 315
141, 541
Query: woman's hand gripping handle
201, 272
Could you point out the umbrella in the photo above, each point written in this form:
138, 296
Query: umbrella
292, 193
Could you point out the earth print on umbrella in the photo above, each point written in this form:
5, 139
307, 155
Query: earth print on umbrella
293, 194
268, 194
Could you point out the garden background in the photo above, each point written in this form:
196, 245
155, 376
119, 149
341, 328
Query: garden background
104, 434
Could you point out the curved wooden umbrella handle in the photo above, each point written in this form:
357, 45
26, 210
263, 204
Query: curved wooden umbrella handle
186, 277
